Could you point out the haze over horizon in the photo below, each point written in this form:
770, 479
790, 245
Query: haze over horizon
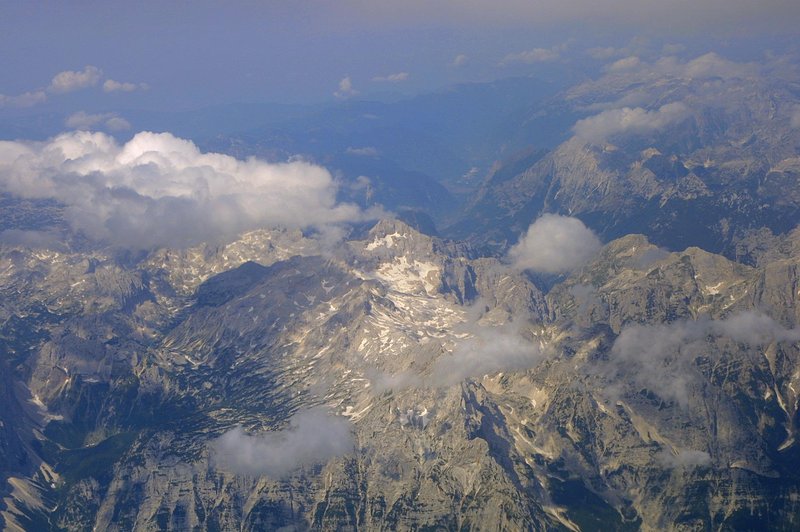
116, 55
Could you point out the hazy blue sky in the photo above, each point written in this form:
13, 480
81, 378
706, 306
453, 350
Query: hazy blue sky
187, 54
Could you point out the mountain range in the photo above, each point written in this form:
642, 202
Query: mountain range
409, 371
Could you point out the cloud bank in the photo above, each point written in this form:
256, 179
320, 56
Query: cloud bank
554, 244
313, 437
160, 190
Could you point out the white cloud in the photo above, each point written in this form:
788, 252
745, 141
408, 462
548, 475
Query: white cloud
70, 80
111, 85
392, 78
637, 120
460, 60
626, 63
661, 357
685, 459
554, 244
706, 66
488, 350
753, 328
159, 190
85, 121
27, 99
346, 89
712, 65
313, 437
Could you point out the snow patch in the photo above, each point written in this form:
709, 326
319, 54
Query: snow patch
387, 241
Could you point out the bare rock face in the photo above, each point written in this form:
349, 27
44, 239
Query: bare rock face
719, 168
398, 382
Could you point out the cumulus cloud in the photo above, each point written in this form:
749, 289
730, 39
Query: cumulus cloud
460, 60
70, 80
312, 437
111, 85
86, 121
392, 78
554, 244
637, 120
487, 350
160, 190
661, 357
346, 89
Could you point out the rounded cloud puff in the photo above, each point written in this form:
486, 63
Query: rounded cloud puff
554, 244
160, 190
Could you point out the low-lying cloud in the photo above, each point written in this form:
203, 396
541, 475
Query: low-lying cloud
489, 350
313, 437
554, 244
685, 459
160, 190
600, 127
661, 357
